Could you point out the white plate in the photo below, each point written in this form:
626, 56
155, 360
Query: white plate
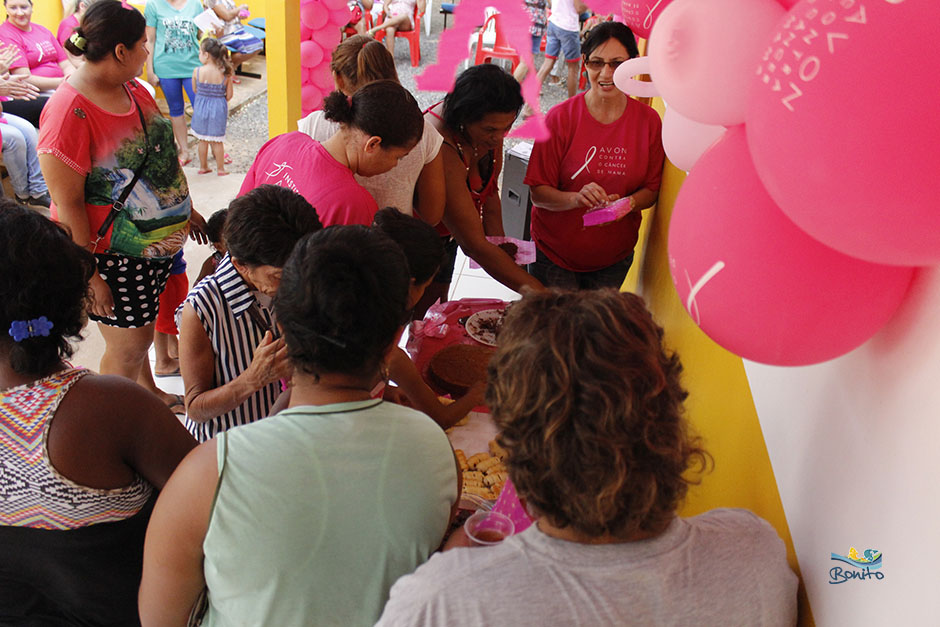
475, 325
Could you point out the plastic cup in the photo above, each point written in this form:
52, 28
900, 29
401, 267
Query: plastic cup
488, 528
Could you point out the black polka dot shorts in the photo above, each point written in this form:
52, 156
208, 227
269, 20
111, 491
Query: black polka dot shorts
136, 284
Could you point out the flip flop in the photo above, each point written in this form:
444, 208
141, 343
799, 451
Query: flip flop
227, 159
224, 173
203, 171
178, 406
162, 375
184, 162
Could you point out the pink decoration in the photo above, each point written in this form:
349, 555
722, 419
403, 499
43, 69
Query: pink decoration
340, 17
322, 77
314, 15
787, 3
623, 78
640, 15
310, 54
452, 51
305, 32
311, 98
843, 127
703, 52
335, 5
327, 38
685, 140
757, 284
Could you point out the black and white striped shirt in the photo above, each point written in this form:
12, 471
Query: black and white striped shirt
221, 302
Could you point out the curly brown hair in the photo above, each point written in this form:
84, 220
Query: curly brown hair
589, 407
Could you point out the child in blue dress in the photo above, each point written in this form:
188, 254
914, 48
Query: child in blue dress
213, 86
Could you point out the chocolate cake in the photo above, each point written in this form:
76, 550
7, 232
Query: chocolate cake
456, 368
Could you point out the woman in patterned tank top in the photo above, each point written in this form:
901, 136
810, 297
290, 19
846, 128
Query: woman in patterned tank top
81, 454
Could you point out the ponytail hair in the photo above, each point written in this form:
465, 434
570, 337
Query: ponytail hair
106, 24
360, 60
219, 54
383, 109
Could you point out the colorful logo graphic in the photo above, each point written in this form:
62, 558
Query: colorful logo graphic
864, 566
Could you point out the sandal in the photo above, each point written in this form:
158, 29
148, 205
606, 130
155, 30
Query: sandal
177, 405
203, 171
227, 159
224, 173
185, 162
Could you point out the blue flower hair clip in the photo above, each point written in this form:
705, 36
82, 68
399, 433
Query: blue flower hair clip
22, 329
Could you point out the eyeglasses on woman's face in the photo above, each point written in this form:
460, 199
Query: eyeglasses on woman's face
598, 64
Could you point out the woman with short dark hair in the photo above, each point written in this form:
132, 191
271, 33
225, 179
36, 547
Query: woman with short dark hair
589, 407
603, 146
309, 516
231, 356
474, 118
82, 455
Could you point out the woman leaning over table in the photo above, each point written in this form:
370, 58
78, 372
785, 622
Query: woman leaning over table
41, 59
173, 43
603, 146
308, 517
98, 129
474, 118
415, 186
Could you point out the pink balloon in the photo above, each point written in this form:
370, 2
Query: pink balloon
757, 284
787, 3
322, 77
314, 15
703, 52
340, 17
686, 140
310, 54
305, 32
334, 5
843, 126
327, 38
640, 15
310, 97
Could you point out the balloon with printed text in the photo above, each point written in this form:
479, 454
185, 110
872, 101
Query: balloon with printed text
757, 284
640, 15
843, 127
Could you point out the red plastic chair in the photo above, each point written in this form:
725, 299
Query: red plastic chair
501, 48
349, 31
413, 36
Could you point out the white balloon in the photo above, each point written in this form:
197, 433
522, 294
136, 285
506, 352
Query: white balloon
686, 140
623, 78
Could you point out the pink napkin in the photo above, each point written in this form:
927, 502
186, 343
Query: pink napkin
525, 250
508, 504
611, 212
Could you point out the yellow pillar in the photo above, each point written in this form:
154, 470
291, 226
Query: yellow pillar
283, 52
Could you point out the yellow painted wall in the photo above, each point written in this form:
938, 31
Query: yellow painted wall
48, 13
283, 65
720, 407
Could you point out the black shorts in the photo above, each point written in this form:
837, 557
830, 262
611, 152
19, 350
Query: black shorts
136, 284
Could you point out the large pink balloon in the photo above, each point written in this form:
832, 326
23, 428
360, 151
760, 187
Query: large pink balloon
314, 15
311, 98
685, 140
305, 32
322, 77
310, 54
327, 38
758, 285
843, 125
334, 5
640, 15
703, 54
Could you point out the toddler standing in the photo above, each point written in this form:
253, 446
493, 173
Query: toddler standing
213, 86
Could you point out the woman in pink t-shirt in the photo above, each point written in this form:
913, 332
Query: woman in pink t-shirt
603, 146
378, 125
42, 59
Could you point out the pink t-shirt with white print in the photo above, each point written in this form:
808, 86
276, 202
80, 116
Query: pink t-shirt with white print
39, 50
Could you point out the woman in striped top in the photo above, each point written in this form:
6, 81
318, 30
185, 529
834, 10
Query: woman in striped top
231, 358
81, 454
